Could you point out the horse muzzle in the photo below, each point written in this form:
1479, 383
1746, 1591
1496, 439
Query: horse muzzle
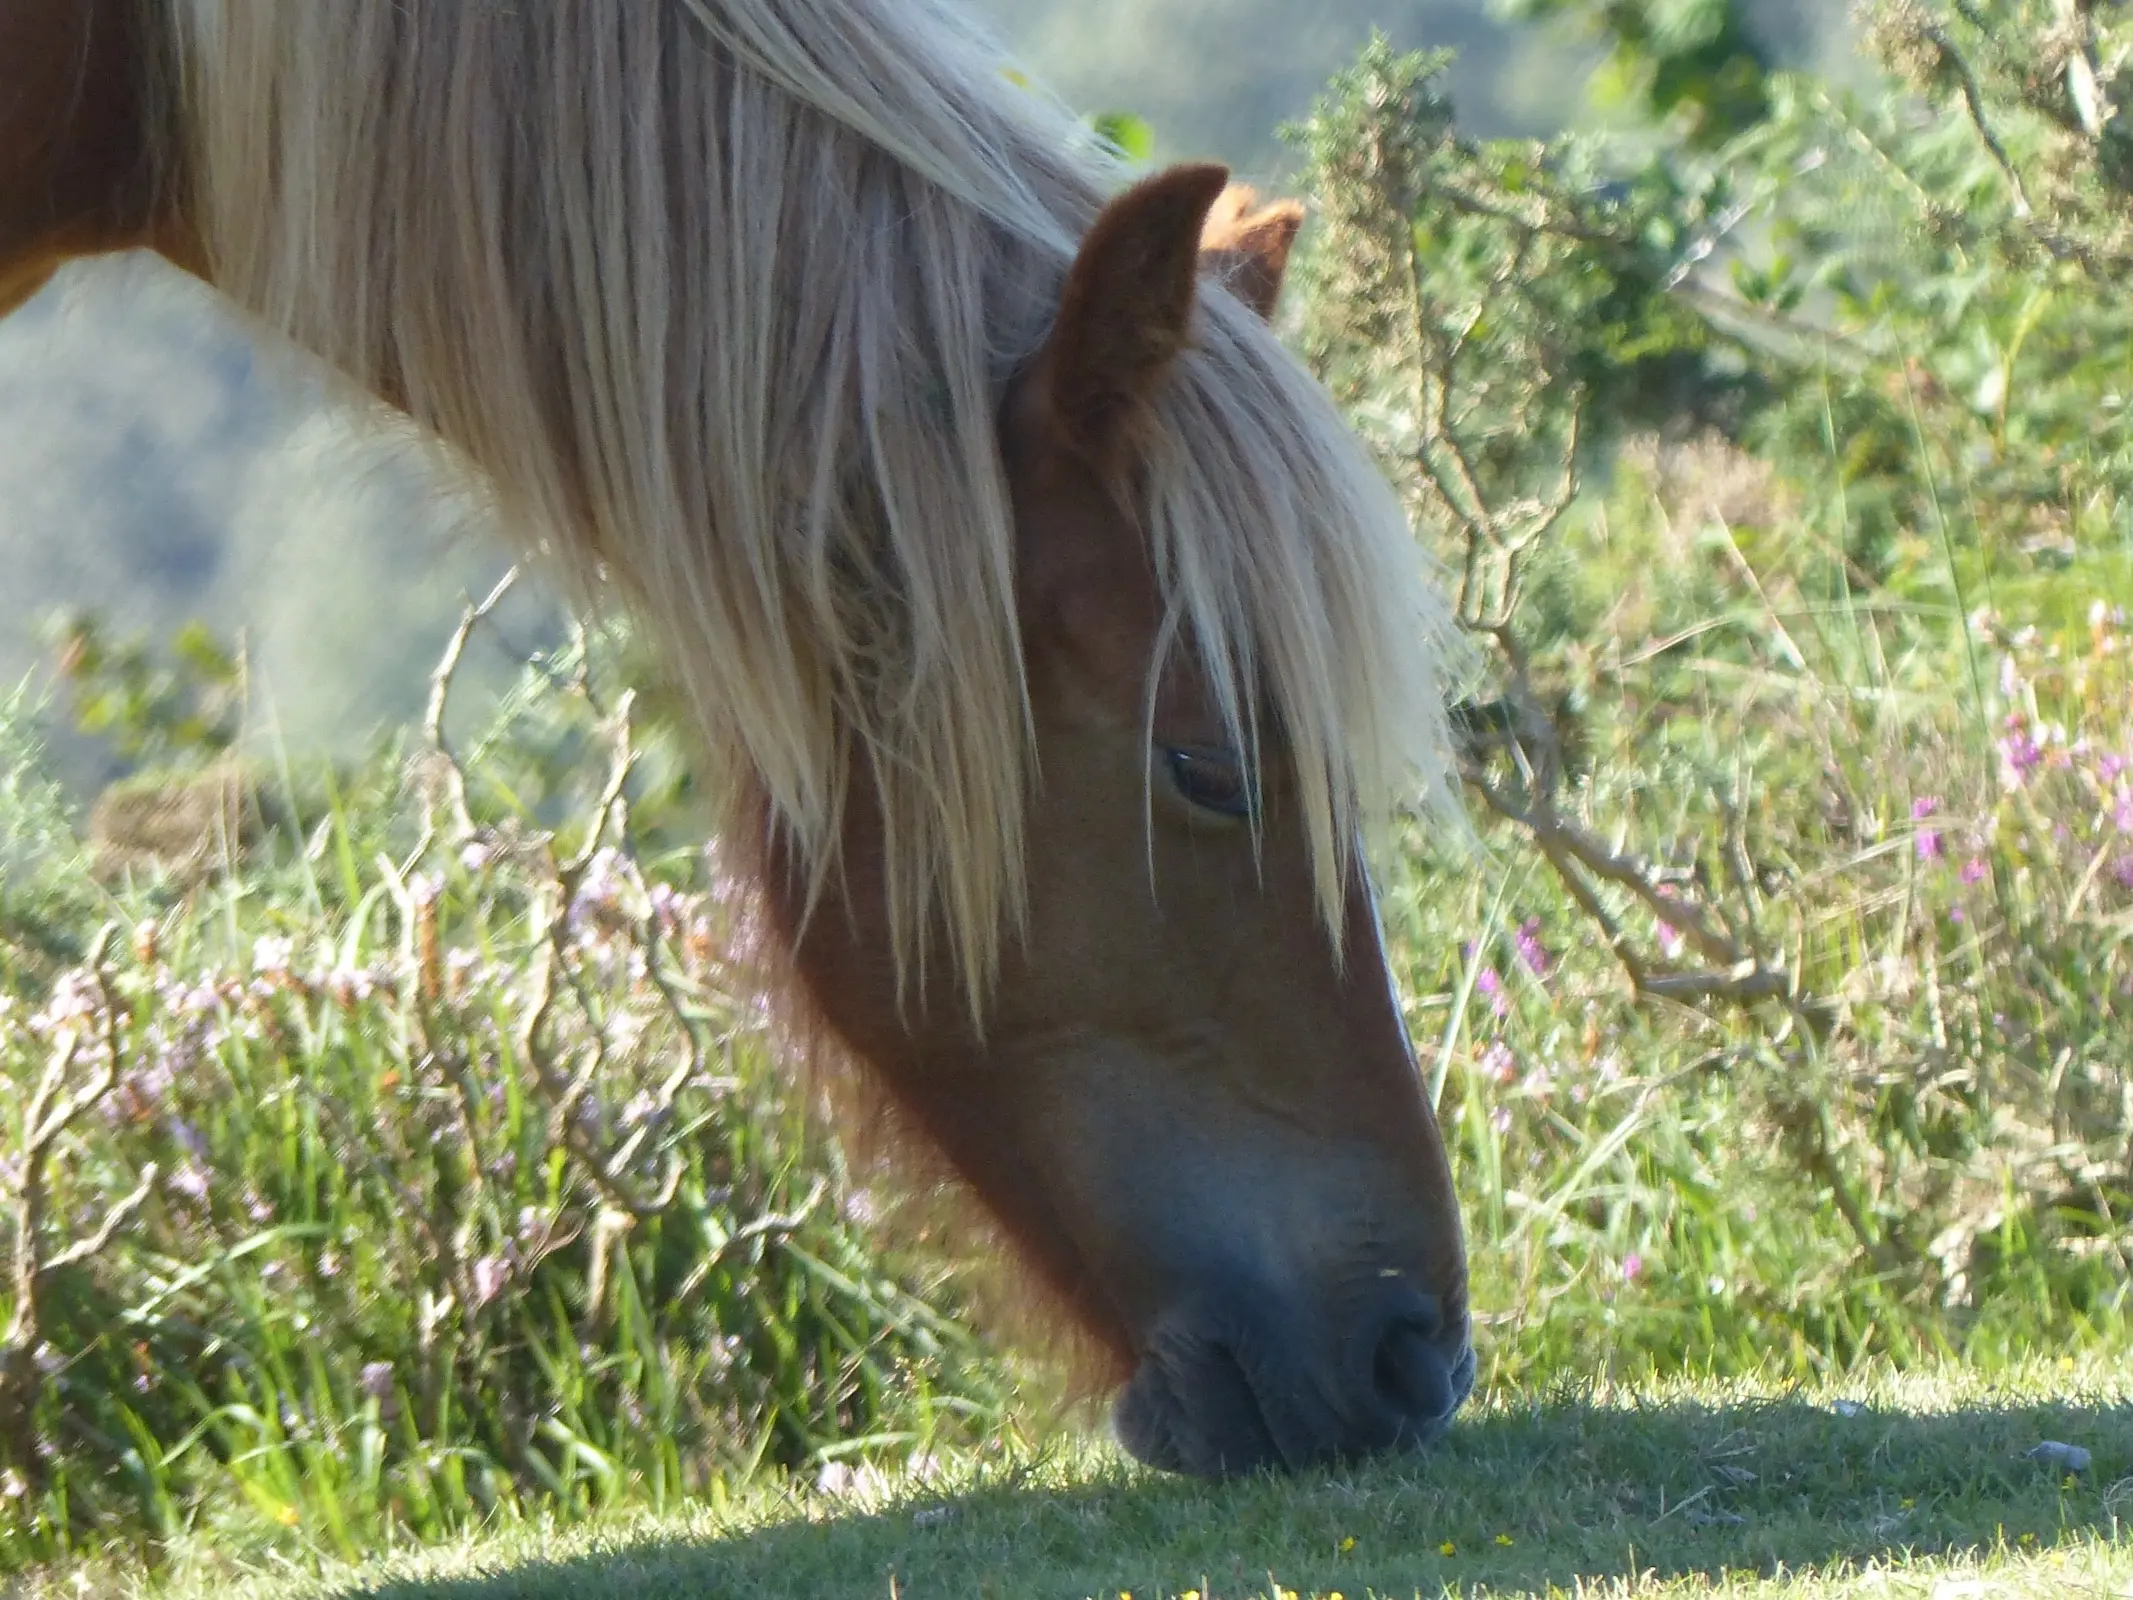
1219, 1392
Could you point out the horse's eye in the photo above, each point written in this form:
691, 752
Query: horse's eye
1212, 780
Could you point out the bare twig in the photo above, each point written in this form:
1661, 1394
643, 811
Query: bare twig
770, 1225
447, 669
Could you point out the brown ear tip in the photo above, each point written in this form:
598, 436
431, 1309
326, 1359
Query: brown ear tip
1201, 181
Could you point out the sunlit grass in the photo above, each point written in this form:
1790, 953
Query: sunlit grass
1889, 1485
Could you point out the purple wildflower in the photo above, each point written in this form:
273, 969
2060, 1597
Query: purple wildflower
351, 986
1974, 870
2122, 871
1930, 847
190, 1139
1498, 1061
1924, 807
2019, 754
666, 907
1632, 1267
377, 1380
1490, 983
1531, 951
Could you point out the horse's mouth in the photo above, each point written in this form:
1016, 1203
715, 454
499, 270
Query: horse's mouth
1215, 1407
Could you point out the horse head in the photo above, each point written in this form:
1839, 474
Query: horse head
1192, 1104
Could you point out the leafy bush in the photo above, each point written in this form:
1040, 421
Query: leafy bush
1726, 438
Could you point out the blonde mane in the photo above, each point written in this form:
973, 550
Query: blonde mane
722, 297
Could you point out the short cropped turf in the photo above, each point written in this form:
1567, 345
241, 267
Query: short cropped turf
1917, 1485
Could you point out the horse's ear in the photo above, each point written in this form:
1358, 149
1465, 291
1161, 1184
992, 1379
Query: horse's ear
1246, 246
1126, 311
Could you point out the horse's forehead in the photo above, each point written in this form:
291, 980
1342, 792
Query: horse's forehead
1103, 627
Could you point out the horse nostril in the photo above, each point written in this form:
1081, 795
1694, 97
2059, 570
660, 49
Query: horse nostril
1413, 1373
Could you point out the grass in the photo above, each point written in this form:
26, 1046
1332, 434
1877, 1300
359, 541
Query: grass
1895, 1485
392, 1283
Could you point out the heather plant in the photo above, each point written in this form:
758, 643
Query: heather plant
44, 890
1783, 1022
431, 1167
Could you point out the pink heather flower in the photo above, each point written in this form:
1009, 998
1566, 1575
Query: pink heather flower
2019, 755
1955, 914
74, 998
666, 907
2110, 765
2122, 809
350, 986
1632, 1267
1924, 807
2122, 871
1490, 983
1930, 847
190, 1139
1669, 940
1974, 870
1498, 1061
1530, 949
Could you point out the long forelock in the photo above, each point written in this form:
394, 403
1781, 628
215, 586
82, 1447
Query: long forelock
721, 296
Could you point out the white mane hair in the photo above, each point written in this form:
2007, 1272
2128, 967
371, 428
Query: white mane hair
723, 296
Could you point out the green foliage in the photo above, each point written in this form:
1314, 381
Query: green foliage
45, 890
1127, 134
441, 1168
1811, 689
151, 713
1698, 64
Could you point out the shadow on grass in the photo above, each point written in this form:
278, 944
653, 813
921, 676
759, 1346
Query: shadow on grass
1523, 1497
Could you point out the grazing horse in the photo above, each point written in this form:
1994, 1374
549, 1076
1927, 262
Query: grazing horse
1051, 641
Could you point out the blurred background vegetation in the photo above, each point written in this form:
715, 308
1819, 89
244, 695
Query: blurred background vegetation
156, 466
396, 1141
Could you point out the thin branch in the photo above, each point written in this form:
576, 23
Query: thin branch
441, 678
